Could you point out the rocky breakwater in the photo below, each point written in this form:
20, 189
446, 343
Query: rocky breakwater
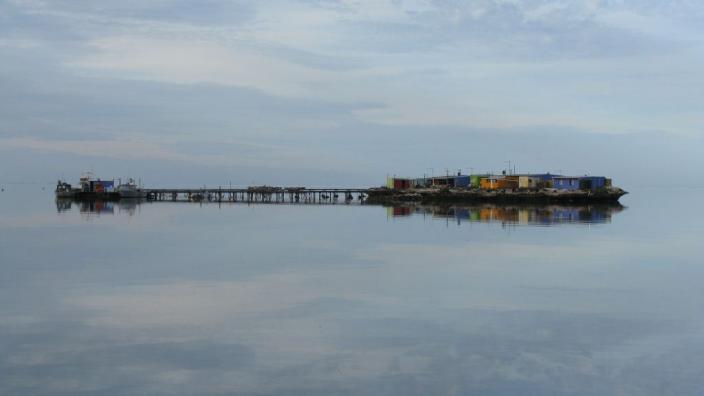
388, 196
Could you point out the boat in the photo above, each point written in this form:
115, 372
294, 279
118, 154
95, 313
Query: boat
130, 189
64, 190
91, 188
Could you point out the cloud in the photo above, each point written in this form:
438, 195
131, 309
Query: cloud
103, 148
228, 154
19, 43
289, 78
506, 66
193, 62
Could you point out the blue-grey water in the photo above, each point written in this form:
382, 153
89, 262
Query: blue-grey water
234, 299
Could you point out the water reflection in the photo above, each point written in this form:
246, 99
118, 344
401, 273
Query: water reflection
188, 299
484, 213
513, 214
95, 207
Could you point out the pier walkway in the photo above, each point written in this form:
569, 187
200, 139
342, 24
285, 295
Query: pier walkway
264, 194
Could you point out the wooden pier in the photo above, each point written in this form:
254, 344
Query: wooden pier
262, 194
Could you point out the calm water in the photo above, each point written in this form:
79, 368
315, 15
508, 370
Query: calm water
188, 299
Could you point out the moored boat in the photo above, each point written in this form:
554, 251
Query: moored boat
64, 190
91, 188
130, 189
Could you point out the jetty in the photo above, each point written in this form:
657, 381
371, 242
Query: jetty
374, 195
505, 189
261, 194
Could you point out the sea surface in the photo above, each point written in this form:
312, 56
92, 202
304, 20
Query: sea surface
176, 298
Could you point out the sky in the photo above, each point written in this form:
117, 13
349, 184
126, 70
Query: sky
344, 93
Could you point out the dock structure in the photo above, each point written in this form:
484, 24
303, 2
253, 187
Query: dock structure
576, 190
263, 194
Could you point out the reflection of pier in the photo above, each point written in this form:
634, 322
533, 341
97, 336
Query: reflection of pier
520, 214
262, 194
486, 213
98, 207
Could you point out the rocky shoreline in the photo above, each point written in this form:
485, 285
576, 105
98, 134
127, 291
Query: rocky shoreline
387, 196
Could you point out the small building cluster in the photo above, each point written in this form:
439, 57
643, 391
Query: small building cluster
502, 182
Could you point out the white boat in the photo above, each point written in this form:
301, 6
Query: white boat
130, 189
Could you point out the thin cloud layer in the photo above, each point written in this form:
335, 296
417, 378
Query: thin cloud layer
306, 70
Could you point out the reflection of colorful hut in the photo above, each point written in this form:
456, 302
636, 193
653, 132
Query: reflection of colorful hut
540, 215
543, 216
565, 215
510, 215
462, 213
597, 216
474, 215
486, 214
525, 216
401, 211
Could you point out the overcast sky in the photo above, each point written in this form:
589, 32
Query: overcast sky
345, 92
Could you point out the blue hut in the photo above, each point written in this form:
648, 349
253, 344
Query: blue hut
461, 181
451, 180
566, 182
579, 182
592, 182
